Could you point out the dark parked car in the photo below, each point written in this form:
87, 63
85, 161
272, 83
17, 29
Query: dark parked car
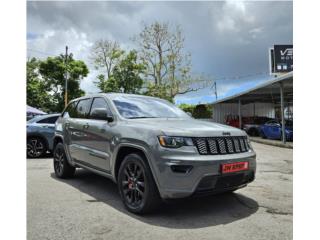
272, 130
252, 125
40, 132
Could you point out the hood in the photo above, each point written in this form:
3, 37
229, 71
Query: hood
188, 127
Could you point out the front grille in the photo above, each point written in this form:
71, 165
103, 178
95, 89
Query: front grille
221, 145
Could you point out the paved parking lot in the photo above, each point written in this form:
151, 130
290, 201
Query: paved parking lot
89, 207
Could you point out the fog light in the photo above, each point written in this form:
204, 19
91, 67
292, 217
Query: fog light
181, 168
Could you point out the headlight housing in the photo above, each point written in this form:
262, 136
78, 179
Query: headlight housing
174, 142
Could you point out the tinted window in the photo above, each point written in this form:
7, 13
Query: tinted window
272, 123
50, 120
83, 108
145, 107
71, 111
100, 103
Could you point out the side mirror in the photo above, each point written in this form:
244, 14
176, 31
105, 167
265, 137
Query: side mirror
101, 114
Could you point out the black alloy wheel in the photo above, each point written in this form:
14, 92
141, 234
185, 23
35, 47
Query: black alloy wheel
136, 185
58, 159
62, 168
133, 184
36, 147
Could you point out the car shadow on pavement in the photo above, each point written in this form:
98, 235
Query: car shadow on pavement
180, 214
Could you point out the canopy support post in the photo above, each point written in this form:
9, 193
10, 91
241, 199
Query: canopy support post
282, 114
239, 113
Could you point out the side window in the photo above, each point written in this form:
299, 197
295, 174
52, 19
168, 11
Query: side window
100, 103
83, 108
70, 111
49, 120
273, 123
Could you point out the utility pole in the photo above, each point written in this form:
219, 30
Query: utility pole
215, 90
66, 79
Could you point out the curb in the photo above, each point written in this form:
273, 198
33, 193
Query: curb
272, 143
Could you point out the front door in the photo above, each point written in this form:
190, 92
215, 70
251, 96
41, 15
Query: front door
99, 135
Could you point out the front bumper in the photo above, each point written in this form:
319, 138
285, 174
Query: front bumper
184, 172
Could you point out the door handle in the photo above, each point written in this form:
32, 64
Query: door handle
86, 126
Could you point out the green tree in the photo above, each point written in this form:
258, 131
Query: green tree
197, 111
161, 48
53, 71
187, 107
37, 90
105, 54
202, 111
160, 91
125, 76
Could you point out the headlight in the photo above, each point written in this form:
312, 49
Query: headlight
174, 142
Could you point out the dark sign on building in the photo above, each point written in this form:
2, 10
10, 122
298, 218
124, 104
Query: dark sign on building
281, 58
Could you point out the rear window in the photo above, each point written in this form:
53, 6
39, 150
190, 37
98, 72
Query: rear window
83, 108
71, 110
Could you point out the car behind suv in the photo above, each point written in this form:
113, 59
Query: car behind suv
40, 133
151, 149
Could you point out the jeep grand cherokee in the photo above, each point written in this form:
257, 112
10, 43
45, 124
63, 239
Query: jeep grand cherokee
151, 149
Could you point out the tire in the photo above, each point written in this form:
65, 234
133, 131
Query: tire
252, 132
136, 185
36, 147
62, 168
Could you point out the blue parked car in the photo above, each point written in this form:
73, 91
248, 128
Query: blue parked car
40, 132
272, 130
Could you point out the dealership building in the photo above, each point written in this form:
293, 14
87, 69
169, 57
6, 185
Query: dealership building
272, 99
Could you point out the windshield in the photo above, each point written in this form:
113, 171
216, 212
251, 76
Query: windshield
145, 107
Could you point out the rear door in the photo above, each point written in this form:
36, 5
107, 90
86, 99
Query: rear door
274, 131
99, 134
68, 117
46, 128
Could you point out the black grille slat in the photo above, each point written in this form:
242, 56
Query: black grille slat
212, 146
201, 145
236, 144
229, 145
246, 144
243, 148
221, 145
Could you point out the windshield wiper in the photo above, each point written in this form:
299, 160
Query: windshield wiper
140, 117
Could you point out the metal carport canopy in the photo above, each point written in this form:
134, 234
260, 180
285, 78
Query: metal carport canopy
267, 92
277, 91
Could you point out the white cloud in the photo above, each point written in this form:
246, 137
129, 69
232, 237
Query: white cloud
233, 15
224, 38
226, 23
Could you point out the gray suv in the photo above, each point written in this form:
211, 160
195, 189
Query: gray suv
151, 149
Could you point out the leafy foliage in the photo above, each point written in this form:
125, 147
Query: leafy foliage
161, 49
106, 54
37, 89
125, 76
160, 91
46, 81
197, 111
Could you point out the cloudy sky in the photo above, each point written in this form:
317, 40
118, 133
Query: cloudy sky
228, 40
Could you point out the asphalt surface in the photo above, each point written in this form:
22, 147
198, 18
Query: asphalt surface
89, 207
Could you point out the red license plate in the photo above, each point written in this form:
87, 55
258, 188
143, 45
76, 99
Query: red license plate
234, 167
